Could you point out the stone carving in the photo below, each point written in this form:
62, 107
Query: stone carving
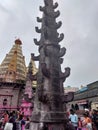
68, 97
36, 42
38, 30
50, 98
61, 37
55, 5
64, 75
35, 58
62, 52
39, 19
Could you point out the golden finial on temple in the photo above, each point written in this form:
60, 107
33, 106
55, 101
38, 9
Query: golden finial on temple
18, 41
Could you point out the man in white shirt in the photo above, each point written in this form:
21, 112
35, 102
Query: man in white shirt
73, 118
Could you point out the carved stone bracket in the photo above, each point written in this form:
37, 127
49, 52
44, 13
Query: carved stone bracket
55, 5
61, 37
68, 97
36, 42
38, 30
39, 19
35, 58
62, 52
42, 8
58, 25
64, 75
56, 14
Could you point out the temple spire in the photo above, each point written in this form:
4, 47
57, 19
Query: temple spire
13, 68
31, 73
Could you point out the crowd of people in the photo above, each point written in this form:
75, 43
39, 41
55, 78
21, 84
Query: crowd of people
87, 121
14, 121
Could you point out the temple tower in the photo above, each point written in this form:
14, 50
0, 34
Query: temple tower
49, 111
13, 68
12, 78
31, 72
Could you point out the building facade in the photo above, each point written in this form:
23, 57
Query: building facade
70, 89
85, 96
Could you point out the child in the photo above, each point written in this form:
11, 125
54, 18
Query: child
79, 124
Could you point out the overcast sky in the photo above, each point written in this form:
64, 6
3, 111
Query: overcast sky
80, 27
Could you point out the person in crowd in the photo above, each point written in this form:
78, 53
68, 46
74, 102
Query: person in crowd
14, 115
6, 117
23, 123
17, 114
95, 119
1, 123
72, 107
87, 112
87, 122
12, 119
20, 123
73, 118
9, 123
79, 124
76, 107
27, 125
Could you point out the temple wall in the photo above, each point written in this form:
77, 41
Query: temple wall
9, 97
